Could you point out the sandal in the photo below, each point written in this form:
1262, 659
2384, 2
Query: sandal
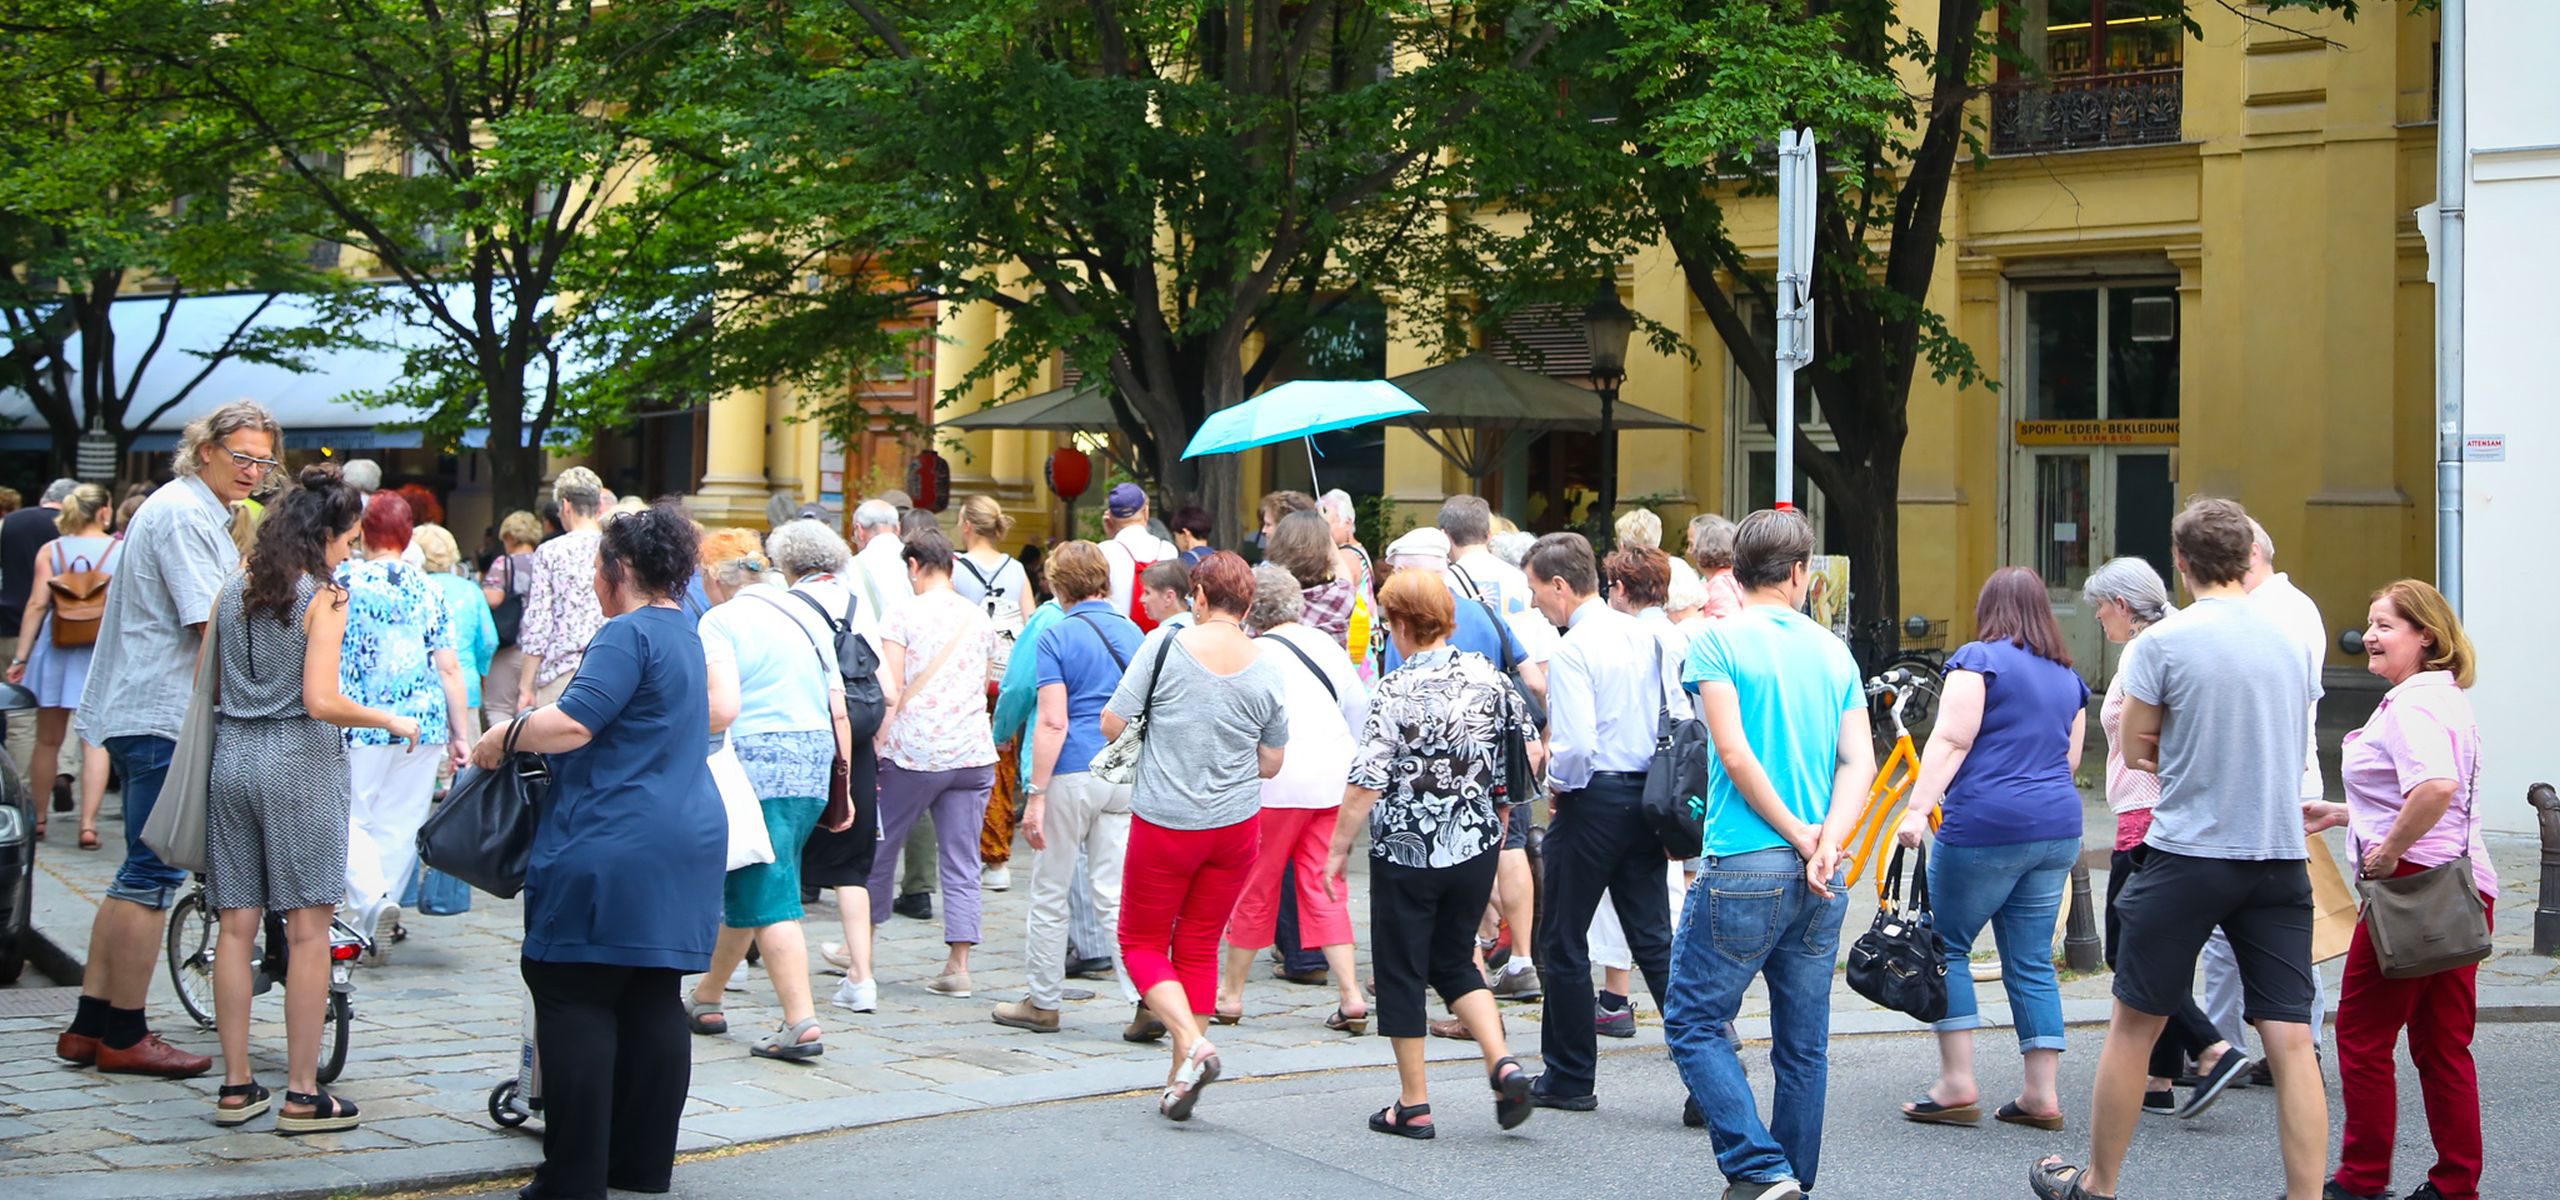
785, 1042
1197, 1072
1511, 1104
2054, 1179
88, 839
253, 1101
1926, 1111
1397, 1118
329, 1114
2011, 1114
1342, 1022
705, 1018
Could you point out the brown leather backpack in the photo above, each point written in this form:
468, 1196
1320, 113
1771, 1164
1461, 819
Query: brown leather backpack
79, 600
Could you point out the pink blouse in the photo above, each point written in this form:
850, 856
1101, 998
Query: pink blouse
2422, 731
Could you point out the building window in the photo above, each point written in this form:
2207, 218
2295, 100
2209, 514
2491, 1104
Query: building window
1755, 450
2095, 73
2101, 353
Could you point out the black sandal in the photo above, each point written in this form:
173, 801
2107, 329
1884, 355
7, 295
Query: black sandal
2054, 1179
1511, 1104
256, 1101
1926, 1111
1393, 1119
329, 1114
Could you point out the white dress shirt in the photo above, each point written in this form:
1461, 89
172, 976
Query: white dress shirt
1605, 695
880, 577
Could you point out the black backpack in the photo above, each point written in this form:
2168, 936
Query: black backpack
864, 705
508, 614
1675, 782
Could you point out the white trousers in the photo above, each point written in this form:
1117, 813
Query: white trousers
1083, 814
1609, 940
392, 787
2225, 1004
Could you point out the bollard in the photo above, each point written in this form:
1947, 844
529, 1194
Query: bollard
2546, 916
2081, 950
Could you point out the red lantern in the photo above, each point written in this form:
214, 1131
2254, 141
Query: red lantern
1070, 472
929, 482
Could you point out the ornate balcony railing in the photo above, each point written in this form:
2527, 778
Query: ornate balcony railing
2134, 109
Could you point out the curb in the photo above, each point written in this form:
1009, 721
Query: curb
52, 961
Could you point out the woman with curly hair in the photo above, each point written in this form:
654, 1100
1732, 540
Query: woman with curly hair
276, 813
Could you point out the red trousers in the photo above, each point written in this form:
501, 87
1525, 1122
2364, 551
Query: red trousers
1177, 888
1304, 837
2439, 1011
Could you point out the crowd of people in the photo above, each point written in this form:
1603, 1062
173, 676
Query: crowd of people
1194, 749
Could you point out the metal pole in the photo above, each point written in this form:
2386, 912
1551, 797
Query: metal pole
1797, 177
2453, 152
2546, 916
2081, 950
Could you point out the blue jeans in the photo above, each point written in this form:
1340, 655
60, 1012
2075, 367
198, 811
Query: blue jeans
143, 761
1754, 914
2017, 890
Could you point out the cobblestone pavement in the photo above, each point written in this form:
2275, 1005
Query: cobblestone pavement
439, 1025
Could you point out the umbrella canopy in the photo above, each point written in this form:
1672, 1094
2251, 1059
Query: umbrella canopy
1303, 408
1478, 394
1068, 410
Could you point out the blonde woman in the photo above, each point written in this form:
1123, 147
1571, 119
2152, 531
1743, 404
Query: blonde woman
984, 575
54, 672
1643, 527
504, 587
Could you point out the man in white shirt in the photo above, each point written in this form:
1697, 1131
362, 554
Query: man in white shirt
1130, 548
2275, 597
1607, 686
879, 562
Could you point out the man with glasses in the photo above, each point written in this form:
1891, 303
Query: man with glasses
177, 552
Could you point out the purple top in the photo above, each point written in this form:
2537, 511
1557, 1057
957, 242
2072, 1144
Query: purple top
2015, 784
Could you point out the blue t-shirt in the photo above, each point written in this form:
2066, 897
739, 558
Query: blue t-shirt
1796, 680
784, 660
1476, 630
630, 851
1072, 652
2015, 784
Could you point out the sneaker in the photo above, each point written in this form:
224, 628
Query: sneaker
860, 997
1776, 1189
2163, 1102
1618, 1024
914, 905
838, 962
2331, 1191
1145, 1027
1539, 1096
998, 878
2215, 1079
385, 925
1090, 968
1518, 985
1023, 1014
954, 984
1690, 1115
2425, 1191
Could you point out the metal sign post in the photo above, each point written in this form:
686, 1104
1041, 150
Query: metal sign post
1796, 182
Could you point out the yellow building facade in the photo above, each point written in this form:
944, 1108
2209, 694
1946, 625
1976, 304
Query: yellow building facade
2191, 261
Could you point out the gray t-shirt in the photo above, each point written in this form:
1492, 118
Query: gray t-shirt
2235, 694
175, 558
1199, 770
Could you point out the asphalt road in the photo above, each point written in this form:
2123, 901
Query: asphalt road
1271, 1139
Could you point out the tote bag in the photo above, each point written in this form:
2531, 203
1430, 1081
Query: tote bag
483, 832
175, 830
750, 842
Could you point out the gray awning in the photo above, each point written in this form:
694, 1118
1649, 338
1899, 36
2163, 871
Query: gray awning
1070, 410
1480, 394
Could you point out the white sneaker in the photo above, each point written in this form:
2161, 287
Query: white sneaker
838, 962
384, 922
860, 997
996, 879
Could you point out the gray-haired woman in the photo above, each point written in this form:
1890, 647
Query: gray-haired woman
2128, 597
1711, 552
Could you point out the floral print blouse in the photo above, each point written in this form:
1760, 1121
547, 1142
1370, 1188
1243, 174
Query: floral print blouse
945, 726
396, 621
561, 612
1432, 749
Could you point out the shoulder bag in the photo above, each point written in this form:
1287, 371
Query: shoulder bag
1675, 782
175, 829
1118, 762
2434, 920
483, 832
1107, 647
508, 614
1313, 669
1900, 962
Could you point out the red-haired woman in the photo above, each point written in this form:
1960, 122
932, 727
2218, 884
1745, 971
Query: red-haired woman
1215, 728
398, 658
2001, 761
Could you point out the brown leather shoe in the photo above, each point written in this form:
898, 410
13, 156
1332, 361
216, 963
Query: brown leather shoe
1452, 1028
151, 1056
77, 1048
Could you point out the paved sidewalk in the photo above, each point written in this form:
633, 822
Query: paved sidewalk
439, 1025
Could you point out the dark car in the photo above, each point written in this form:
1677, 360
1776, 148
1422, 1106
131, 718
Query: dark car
17, 845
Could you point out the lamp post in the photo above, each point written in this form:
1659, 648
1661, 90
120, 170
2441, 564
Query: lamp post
1606, 326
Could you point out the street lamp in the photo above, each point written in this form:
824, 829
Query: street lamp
1606, 326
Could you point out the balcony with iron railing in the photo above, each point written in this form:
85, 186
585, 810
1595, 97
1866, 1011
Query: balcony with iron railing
2135, 108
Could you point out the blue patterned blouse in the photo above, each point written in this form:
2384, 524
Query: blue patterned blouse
396, 621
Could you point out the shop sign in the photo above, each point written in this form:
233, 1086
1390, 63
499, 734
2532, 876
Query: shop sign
2097, 433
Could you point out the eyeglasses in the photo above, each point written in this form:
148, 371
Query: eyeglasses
252, 461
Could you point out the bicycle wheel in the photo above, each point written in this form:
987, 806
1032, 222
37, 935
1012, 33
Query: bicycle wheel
193, 930
333, 1034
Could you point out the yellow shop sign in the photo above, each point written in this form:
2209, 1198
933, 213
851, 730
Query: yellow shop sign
2097, 433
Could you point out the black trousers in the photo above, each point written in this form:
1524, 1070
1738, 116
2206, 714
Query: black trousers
1597, 841
1295, 958
2188, 1031
616, 1060
1422, 933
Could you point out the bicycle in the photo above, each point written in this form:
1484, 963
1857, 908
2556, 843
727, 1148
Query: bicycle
1879, 649
1894, 690
194, 930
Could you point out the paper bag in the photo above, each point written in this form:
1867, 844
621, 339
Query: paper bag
2333, 905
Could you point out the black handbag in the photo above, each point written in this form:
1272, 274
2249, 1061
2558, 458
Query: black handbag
508, 614
1675, 782
1900, 962
483, 832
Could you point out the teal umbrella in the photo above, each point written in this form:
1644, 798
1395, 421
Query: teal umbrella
1300, 410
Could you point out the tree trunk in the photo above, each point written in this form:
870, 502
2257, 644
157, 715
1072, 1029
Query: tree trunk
515, 477
1868, 515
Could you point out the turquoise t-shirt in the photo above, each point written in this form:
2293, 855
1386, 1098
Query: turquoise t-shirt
1796, 679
